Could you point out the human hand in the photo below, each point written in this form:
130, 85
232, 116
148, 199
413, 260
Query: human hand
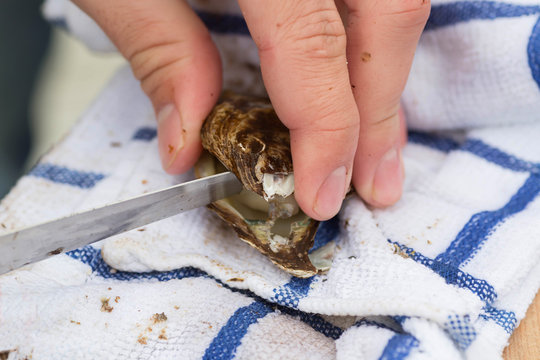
324, 79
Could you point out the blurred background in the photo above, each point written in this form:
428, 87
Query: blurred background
47, 80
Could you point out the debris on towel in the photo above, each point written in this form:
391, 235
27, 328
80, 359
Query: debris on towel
159, 317
105, 307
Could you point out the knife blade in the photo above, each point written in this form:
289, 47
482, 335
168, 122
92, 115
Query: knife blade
28, 245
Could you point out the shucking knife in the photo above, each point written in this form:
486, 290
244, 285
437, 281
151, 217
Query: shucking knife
25, 246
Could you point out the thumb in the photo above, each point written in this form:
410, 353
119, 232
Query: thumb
171, 53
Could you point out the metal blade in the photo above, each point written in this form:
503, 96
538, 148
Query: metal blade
38, 242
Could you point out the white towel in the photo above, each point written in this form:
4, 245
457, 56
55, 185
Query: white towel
446, 273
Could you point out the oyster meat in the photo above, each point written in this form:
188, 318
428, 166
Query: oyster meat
244, 135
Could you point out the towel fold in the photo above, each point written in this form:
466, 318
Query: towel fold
446, 273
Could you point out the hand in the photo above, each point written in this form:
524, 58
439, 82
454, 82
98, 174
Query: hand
324, 78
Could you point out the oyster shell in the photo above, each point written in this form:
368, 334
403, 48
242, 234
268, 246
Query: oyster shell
244, 135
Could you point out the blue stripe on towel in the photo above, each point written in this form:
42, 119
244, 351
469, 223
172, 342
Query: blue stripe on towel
433, 141
460, 330
400, 319
296, 289
451, 274
481, 288
505, 319
316, 322
463, 11
399, 347
230, 24
292, 292
533, 52
92, 257
475, 147
231, 334
379, 325
60, 23
327, 231
499, 157
481, 225
145, 134
63, 175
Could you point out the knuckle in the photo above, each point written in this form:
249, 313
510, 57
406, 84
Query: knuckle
385, 124
410, 12
329, 126
320, 34
152, 59
159, 62
325, 116
312, 32
153, 53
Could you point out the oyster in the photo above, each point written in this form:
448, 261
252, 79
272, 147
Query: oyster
244, 135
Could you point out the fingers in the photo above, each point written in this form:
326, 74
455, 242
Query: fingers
302, 47
382, 37
170, 51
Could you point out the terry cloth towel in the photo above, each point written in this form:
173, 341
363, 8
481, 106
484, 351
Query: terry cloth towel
446, 273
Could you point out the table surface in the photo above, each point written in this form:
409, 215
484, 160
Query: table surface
525, 341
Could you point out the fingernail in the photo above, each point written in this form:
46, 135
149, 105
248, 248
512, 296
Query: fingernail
388, 179
170, 134
331, 194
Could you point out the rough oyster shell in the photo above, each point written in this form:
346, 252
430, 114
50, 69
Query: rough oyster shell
245, 136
